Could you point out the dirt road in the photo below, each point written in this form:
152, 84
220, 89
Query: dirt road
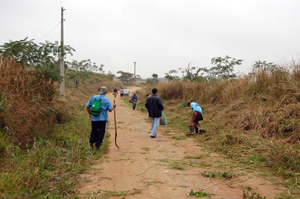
145, 167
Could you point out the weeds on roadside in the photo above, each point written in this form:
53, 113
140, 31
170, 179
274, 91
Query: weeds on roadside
219, 174
103, 194
249, 194
198, 194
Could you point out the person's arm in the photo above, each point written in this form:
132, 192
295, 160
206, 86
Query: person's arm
114, 106
146, 105
89, 112
160, 104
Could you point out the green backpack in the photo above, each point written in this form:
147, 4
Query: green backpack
95, 109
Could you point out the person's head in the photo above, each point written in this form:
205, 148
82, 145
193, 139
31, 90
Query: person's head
134, 93
154, 91
189, 104
102, 90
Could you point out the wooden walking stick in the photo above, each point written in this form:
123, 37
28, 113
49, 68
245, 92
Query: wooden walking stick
115, 125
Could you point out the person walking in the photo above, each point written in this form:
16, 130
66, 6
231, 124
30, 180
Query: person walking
197, 115
134, 100
154, 106
115, 92
99, 122
121, 92
76, 83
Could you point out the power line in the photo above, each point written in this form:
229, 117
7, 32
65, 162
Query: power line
106, 53
49, 32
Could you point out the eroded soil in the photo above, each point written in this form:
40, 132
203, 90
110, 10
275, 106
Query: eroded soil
146, 167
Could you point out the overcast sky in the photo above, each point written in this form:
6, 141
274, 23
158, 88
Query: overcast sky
160, 35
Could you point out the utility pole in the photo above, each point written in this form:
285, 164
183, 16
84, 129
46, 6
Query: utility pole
134, 71
62, 68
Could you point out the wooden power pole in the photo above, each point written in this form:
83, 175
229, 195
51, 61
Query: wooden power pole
62, 68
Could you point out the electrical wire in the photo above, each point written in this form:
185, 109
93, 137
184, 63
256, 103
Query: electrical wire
106, 53
48, 32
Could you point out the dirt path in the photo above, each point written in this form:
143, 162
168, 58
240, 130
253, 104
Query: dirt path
152, 167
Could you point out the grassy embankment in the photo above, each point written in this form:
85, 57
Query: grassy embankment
253, 121
44, 140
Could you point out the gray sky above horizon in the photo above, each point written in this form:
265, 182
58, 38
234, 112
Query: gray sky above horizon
160, 35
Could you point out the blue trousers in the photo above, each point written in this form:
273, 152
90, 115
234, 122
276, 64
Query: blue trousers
154, 125
133, 105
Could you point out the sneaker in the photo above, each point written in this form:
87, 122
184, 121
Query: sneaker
153, 136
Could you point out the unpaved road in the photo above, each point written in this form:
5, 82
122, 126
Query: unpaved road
143, 165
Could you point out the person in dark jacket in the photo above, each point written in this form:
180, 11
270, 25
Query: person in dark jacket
154, 106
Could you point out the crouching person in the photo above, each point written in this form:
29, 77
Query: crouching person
196, 117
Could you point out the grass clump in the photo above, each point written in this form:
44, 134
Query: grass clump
249, 194
198, 194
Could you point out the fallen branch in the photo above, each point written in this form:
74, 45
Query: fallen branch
145, 170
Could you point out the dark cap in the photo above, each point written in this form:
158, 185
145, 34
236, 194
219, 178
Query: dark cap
190, 102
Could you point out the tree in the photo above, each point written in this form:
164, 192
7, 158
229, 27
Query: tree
192, 73
224, 67
265, 66
44, 57
125, 77
85, 65
153, 80
170, 77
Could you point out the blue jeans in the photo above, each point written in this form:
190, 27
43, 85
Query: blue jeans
133, 105
154, 125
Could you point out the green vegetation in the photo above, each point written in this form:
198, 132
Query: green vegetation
198, 194
43, 140
253, 120
249, 194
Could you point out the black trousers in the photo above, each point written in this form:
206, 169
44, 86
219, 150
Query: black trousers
98, 132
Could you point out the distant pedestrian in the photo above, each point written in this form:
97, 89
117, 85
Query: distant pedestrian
76, 83
99, 122
154, 106
134, 100
115, 92
197, 115
121, 92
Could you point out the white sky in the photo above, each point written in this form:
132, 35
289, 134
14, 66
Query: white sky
160, 35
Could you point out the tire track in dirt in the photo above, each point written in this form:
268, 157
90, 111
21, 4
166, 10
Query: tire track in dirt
143, 165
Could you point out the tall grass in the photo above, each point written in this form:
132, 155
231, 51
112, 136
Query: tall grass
28, 103
269, 100
43, 140
253, 119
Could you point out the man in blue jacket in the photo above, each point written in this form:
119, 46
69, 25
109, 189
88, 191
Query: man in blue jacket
99, 122
196, 116
154, 106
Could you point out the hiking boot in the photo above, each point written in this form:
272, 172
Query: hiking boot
197, 130
153, 136
191, 131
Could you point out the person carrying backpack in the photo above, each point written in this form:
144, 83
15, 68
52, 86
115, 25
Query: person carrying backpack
196, 116
97, 108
